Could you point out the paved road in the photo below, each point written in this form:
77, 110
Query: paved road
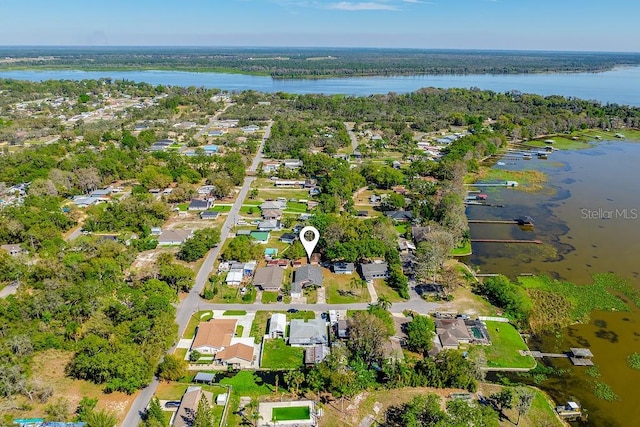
418, 305
352, 136
193, 302
258, 158
74, 234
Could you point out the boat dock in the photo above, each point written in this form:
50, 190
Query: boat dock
537, 242
491, 221
577, 356
495, 184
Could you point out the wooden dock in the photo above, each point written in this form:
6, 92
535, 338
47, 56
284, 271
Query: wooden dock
537, 242
490, 221
571, 355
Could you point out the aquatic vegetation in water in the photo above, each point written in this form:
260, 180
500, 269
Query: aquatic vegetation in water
633, 360
593, 372
604, 391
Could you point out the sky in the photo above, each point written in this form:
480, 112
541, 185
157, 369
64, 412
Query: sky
561, 25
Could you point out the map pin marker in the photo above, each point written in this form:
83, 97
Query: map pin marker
309, 245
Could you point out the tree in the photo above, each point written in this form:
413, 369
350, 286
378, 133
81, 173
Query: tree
102, 418
420, 333
242, 249
367, 334
432, 253
295, 251
172, 368
358, 283
383, 302
177, 276
523, 402
503, 399
197, 246
294, 379
204, 414
154, 416
58, 410
85, 407
449, 279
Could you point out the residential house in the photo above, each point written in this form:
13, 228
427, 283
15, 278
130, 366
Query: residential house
342, 267
289, 238
271, 214
270, 166
393, 350
363, 214
200, 205
405, 246
402, 216
375, 199
209, 215
282, 263
396, 164
236, 356
270, 225
210, 149
342, 329
214, 335
269, 253
375, 270
289, 183
12, 250
452, 332
216, 132
315, 354
277, 325
250, 129
292, 163
102, 193
161, 145
308, 333
174, 237
186, 414
206, 190
86, 201
273, 204
234, 277
308, 275
269, 278
296, 290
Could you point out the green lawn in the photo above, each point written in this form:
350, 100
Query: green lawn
221, 208
505, 344
246, 383
291, 413
339, 291
183, 206
269, 297
234, 313
401, 228
239, 330
259, 325
200, 316
296, 207
382, 289
232, 295
464, 250
278, 355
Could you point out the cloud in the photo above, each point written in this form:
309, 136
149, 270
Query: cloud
347, 5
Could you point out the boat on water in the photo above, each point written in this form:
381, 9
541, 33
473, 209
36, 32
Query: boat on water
525, 221
526, 156
501, 163
542, 154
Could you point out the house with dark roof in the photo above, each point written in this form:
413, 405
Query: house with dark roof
296, 290
308, 275
420, 234
209, 215
289, 238
269, 278
200, 205
375, 270
315, 354
308, 333
342, 267
402, 216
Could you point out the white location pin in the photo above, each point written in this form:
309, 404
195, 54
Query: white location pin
309, 245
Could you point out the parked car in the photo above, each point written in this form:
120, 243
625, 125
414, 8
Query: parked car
293, 310
172, 404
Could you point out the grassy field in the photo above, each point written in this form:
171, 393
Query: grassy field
269, 297
221, 208
528, 180
278, 355
291, 413
200, 316
234, 313
259, 326
464, 250
382, 289
288, 193
338, 289
181, 352
231, 295
246, 383
505, 344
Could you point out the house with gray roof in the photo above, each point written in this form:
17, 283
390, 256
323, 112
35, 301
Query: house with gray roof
308, 275
399, 215
269, 278
375, 270
308, 333
342, 267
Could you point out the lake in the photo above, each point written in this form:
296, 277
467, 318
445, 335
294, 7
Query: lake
588, 217
616, 86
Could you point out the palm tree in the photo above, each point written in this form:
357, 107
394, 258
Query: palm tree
101, 418
384, 302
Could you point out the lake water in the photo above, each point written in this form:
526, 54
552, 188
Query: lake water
588, 217
621, 85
